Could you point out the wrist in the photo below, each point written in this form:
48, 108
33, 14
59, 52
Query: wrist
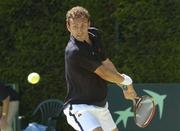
127, 80
4, 116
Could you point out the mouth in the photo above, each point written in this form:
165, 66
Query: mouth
79, 37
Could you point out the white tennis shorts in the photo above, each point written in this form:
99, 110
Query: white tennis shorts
83, 117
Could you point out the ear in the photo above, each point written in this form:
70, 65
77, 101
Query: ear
68, 26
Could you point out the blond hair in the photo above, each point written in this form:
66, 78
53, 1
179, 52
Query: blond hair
77, 12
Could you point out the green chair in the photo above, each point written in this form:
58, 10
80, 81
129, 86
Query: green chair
49, 111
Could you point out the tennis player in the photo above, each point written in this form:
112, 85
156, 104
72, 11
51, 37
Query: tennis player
87, 71
9, 99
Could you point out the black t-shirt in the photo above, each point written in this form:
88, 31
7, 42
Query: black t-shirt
6, 91
81, 60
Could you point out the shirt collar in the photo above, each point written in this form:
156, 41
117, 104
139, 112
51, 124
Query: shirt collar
91, 36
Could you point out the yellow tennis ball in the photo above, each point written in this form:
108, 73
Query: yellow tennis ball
33, 78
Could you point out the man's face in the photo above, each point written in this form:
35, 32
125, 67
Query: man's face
79, 28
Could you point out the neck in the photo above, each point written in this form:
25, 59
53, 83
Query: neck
88, 41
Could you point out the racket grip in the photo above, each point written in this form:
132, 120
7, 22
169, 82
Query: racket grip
134, 102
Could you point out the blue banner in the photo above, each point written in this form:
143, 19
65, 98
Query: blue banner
167, 101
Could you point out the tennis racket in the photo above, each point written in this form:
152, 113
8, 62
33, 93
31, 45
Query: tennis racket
144, 110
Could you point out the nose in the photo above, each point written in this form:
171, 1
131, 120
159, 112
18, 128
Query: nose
79, 31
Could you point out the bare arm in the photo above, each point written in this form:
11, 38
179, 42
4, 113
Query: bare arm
5, 110
5, 107
108, 72
107, 63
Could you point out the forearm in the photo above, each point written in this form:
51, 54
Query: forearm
109, 75
5, 107
113, 75
108, 64
108, 72
127, 87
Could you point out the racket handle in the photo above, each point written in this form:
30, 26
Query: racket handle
134, 102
